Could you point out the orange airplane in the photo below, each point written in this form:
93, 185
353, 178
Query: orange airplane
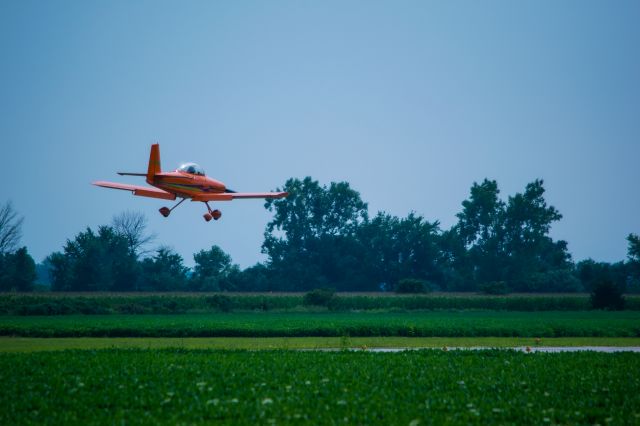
188, 181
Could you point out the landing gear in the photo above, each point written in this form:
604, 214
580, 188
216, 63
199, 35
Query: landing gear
166, 211
212, 214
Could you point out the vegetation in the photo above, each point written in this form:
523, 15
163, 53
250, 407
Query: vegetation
35, 344
248, 387
172, 303
323, 237
414, 324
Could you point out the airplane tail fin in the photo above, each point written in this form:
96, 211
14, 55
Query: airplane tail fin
154, 162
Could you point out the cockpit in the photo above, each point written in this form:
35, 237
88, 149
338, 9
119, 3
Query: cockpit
192, 168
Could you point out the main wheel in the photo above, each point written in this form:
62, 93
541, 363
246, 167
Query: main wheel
164, 211
207, 217
217, 214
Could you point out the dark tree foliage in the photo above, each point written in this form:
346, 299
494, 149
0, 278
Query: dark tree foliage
17, 271
633, 263
319, 297
607, 295
101, 261
213, 271
311, 240
590, 273
164, 271
254, 278
495, 241
396, 249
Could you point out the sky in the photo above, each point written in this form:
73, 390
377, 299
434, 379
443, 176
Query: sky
409, 102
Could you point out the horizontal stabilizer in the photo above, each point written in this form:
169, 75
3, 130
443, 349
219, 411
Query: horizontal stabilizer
141, 191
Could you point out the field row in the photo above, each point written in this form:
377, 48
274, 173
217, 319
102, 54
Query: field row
36, 344
282, 324
284, 387
100, 304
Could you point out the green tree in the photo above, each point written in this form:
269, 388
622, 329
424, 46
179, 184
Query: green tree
633, 263
397, 249
17, 271
213, 270
164, 271
311, 240
93, 261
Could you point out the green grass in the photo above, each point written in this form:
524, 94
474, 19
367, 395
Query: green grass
35, 344
287, 387
412, 324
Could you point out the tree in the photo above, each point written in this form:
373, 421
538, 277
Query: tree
311, 239
480, 228
633, 263
132, 226
99, 261
397, 249
633, 250
10, 228
17, 271
164, 271
212, 270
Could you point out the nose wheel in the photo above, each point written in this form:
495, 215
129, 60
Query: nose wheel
212, 214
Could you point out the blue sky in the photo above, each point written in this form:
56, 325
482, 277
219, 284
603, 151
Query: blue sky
410, 102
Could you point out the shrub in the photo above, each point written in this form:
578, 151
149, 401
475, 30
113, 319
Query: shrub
607, 295
318, 297
411, 285
494, 287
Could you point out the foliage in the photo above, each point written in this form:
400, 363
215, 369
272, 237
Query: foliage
411, 285
310, 241
319, 297
176, 386
99, 261
164, 271
298, 324
494, 287
17, 271
607, 295
212, 270
220, 302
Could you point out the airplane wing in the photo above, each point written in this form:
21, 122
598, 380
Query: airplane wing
141, 191
228, 196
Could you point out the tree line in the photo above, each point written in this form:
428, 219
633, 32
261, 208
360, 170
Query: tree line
323, 236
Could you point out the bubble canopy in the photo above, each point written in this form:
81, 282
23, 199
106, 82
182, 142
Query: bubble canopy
192, 168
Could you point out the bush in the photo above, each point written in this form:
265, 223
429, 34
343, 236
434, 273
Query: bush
412, 285
607, 295
319, 297
494, 287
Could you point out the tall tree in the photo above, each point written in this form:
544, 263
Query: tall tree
133, 226
163, 271
212, 270
10, 228
17, 271
93, 261
310, 241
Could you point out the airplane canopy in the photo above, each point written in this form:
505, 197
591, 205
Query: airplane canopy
192, 168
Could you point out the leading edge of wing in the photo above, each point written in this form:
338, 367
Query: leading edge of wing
141, 191
228, 196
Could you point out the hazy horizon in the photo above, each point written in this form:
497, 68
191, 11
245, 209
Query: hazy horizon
408, 102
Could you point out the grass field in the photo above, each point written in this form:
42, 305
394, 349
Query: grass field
35, 344
287, 387
270, 324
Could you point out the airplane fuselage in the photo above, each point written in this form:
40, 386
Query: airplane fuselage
186, 185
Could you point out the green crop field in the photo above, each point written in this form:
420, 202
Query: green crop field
270, 324
288, 387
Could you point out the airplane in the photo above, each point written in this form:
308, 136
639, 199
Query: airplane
187, 182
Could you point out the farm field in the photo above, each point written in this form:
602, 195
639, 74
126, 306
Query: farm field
34, 344
286, 387
292, 324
